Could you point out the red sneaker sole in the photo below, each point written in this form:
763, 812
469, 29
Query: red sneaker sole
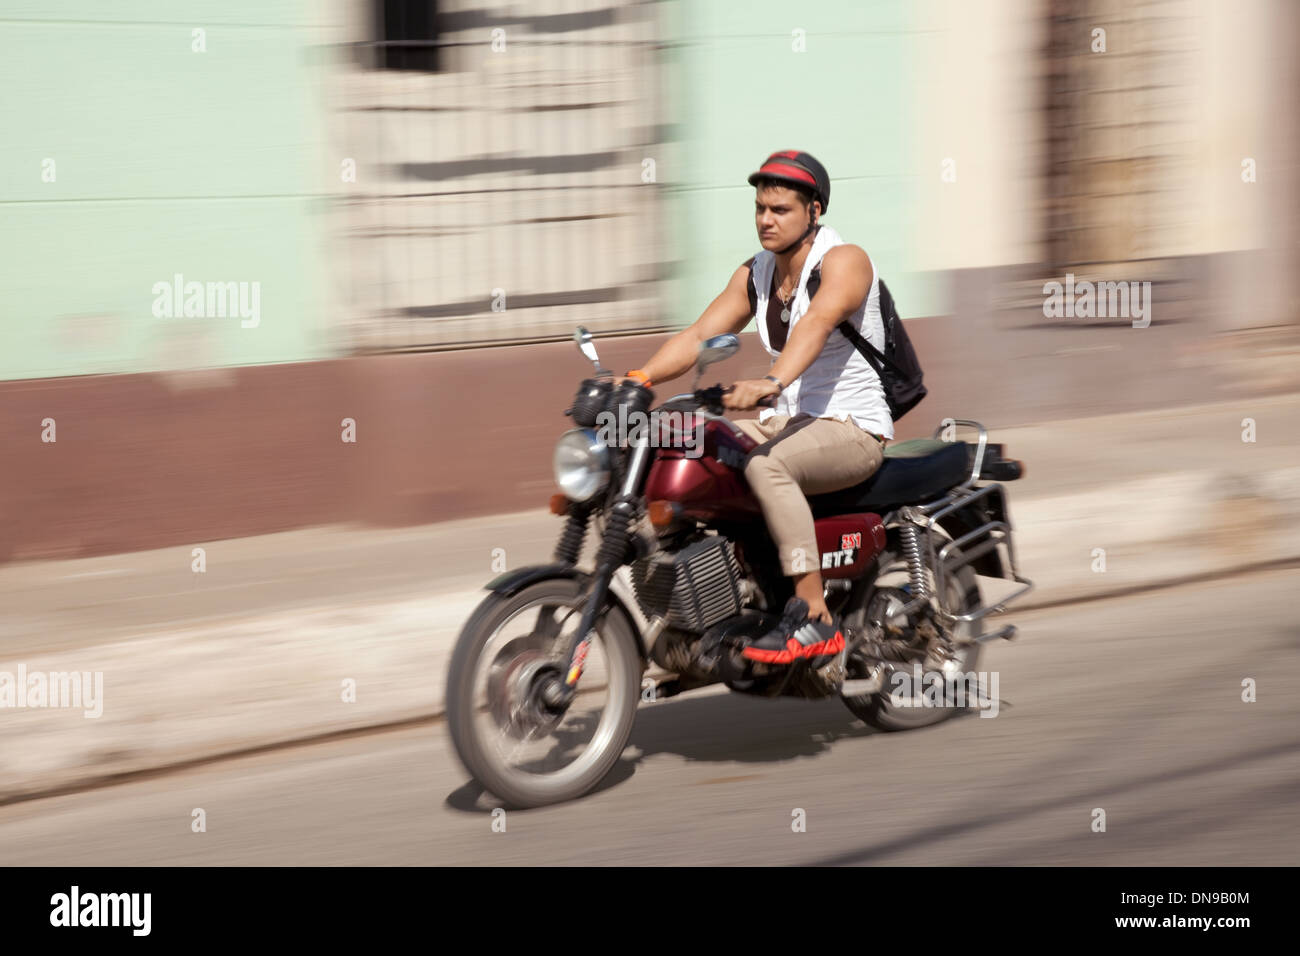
793, 650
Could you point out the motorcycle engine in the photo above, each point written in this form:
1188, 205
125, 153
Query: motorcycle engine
691, 588
700, 593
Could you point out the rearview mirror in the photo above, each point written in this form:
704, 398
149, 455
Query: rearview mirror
583, 339
715, 350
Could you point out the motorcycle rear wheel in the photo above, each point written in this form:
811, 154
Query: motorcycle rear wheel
879, 710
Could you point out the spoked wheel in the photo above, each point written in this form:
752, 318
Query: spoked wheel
903, 703
515, 744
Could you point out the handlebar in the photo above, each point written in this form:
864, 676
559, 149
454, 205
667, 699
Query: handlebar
711, 398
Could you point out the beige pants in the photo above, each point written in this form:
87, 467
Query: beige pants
804, 456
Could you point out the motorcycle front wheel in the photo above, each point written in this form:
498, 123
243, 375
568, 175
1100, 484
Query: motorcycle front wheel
505, 735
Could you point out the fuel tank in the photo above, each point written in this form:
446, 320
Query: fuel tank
703, 471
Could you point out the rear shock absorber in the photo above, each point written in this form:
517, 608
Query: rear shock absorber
911, 536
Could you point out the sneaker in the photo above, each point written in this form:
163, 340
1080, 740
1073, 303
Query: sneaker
796, 638
821, 642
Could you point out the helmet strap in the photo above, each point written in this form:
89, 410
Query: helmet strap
812, 224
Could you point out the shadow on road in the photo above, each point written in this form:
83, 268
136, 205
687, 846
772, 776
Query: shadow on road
718, 728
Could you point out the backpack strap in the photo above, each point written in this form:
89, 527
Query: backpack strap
868, 351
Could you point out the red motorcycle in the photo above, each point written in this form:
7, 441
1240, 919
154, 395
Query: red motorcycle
547, 674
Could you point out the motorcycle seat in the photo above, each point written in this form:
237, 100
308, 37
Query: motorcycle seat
913, 472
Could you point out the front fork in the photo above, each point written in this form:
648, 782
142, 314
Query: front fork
613, 552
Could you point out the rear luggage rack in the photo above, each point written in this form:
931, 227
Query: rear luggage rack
986, 461
990, 535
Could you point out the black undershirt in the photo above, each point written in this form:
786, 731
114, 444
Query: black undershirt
776, 329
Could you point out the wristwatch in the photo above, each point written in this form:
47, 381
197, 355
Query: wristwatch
779, 384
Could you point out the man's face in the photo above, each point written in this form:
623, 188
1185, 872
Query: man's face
780, 216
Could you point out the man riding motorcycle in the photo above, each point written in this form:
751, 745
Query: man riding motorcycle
831, 419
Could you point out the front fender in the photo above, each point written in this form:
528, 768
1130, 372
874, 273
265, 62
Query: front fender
620, 591
512, 582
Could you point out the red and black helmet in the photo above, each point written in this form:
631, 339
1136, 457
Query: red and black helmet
800, 170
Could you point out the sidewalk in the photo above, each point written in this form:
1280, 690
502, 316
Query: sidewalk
255, 650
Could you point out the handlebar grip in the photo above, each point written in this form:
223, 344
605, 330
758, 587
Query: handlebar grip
712, 398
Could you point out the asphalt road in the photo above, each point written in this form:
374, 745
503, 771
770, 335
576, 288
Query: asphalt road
1131, 705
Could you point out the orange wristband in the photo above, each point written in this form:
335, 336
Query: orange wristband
639, 375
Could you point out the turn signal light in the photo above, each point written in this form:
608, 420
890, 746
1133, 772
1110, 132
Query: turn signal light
663, 513
559, 504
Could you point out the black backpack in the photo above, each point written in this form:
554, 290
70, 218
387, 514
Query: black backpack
898, 367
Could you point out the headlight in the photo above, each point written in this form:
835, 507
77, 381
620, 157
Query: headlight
581, 464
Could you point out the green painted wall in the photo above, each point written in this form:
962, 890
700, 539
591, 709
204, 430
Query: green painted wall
209, 164
166, 161
739, 92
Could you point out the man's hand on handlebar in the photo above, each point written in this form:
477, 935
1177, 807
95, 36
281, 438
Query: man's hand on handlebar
751, 393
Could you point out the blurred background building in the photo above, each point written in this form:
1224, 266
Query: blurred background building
401, 175
422, 176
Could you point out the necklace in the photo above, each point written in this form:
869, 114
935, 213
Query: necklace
786, 300
785, 306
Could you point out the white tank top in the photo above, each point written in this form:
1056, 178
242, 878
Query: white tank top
839, 383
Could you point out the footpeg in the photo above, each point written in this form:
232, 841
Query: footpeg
662, 690
1007, 633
